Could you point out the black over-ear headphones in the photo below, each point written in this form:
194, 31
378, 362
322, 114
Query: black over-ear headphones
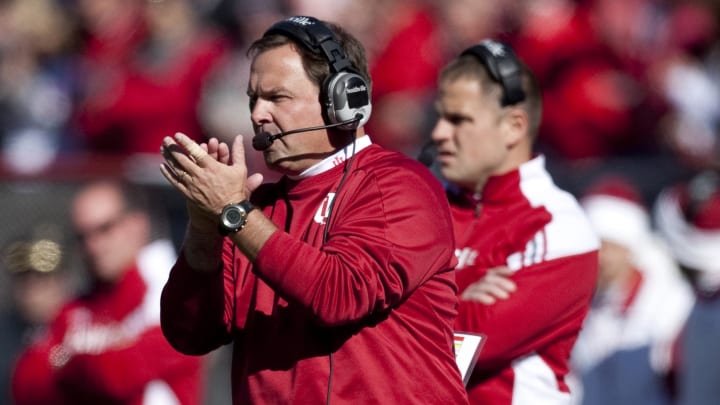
503, 67
345, 94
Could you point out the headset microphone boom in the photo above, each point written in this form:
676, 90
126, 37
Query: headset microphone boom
263, 140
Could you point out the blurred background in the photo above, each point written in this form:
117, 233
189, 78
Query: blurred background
88, 88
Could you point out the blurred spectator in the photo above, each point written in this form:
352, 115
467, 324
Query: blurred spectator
106, 345
688, 216
691, 82
145, 88
464, 22
607, 69
110, 32
408, 53
588, 59
39, 287
35, 89
623, 355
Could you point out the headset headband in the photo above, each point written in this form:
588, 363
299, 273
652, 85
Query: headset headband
503, 67
344, 94
315, 36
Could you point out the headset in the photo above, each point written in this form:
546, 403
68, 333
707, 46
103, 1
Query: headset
345, 94
503, 66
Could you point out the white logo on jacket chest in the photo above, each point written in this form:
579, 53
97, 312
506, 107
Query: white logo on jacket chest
466, 257
87, 336
323, 210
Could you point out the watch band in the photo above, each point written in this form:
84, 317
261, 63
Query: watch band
246, 205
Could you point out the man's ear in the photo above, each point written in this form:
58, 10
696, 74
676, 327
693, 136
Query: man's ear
515, 126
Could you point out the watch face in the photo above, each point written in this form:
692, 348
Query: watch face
234, 216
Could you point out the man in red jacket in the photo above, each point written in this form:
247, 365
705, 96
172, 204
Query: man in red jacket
527, 255
335, 285
106, 346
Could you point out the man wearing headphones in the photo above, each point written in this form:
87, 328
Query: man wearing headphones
335, 284
527, 258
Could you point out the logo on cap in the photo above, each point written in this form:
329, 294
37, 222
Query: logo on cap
300, 20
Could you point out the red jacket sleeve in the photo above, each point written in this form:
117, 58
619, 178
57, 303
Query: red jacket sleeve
551, 300
196, 308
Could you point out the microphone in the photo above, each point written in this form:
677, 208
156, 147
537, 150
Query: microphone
263, 140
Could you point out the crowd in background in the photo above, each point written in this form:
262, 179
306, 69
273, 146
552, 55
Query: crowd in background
633, 80
90, 87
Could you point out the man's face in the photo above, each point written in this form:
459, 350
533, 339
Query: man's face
283, 98
110, 236
468, 134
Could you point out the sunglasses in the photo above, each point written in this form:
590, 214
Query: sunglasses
101, 229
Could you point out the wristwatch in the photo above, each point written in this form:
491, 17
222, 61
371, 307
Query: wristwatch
234, 217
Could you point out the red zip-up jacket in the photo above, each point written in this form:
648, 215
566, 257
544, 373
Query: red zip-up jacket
364, 318
524, 221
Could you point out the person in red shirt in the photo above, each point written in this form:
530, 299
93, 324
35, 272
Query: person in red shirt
106, 346
130, 99
335, 285
528, 257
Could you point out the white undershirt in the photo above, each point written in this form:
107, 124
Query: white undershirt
336, 159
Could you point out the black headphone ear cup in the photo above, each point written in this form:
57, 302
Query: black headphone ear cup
347, 95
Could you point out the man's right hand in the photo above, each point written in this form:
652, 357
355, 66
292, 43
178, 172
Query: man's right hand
495, 285
210, 176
